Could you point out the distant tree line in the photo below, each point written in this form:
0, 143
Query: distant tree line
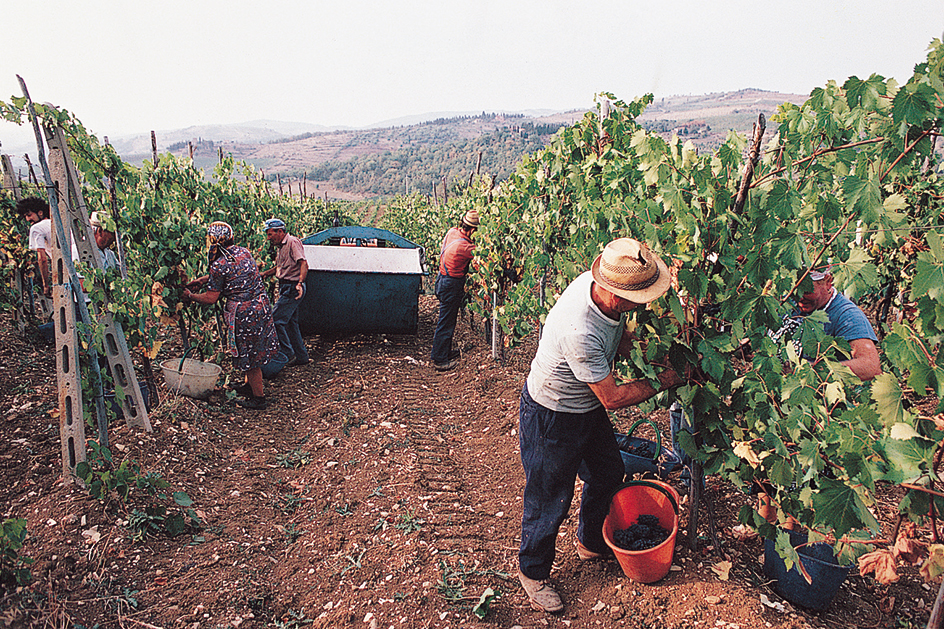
428, 157
198, 144
659, 126
482, 116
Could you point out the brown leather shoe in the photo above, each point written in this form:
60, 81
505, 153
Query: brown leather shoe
541, 594
446, 366
585, 554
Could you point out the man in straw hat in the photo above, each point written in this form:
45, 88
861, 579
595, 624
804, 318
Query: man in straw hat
454, 258
563, 418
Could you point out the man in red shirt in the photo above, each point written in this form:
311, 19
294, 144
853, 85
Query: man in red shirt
291, 268
454, 259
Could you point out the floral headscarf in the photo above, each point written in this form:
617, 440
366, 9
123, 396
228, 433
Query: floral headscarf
219, 237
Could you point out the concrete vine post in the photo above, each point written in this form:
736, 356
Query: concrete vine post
114, 344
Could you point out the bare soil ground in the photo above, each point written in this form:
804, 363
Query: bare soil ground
373, 492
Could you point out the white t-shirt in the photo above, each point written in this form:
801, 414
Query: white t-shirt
40, 235
577, 347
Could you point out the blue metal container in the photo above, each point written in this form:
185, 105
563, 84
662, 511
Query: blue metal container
820, 563
361, 280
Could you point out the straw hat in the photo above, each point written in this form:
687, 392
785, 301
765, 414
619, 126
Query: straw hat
471, 219
629, 269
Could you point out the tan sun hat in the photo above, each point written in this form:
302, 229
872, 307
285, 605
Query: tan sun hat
629, 269
471, 219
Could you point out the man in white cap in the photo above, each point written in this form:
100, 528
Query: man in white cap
104, 239
846, 321
454, 259
563, 418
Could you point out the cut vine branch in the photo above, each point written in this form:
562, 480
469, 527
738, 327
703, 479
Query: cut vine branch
905, 152
816, 154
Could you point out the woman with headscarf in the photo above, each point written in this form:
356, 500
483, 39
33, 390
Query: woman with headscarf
251, 336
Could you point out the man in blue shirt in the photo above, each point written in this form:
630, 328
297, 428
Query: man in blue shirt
846, 321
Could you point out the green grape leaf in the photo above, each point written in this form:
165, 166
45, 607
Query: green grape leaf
175, 525
919, 377
935, 245
906, 459
929, 277
888, 399
785, 549
838, 505
912, 104
864, 93
481, 608
181, 498
864, 196
780, 472
781, 200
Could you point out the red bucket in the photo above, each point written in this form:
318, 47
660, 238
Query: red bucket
645, 497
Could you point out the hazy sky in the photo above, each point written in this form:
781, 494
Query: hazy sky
129, 67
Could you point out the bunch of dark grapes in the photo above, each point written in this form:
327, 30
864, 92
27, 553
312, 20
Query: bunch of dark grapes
646, 533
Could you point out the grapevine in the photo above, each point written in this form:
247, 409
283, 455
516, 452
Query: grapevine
849, 178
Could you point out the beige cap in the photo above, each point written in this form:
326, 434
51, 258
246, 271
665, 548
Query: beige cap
471, 218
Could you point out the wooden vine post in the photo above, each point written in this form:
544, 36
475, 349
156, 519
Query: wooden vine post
181, 324
9, 182
29, 167
697, 472
123, 268
497, 349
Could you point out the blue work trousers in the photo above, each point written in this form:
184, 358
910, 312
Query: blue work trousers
553, 446
285, 316
449, 291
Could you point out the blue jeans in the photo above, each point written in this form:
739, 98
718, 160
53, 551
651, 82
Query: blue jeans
553, 447
285, 316
449, 291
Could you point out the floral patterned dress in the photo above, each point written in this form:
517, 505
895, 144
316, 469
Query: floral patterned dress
251, 336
